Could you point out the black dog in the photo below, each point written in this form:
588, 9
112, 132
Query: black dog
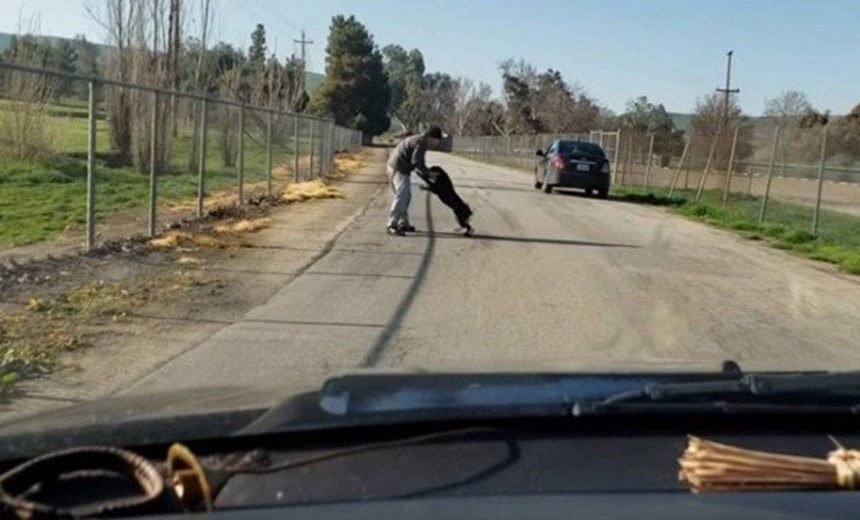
440, 184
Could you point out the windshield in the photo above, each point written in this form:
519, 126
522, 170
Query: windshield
219, 205
577, 147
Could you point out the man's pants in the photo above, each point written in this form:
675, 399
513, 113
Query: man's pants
400, 185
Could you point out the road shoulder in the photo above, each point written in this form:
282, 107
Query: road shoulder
210, 287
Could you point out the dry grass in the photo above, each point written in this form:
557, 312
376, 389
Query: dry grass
311, 190
170, 240
244, 226
188, 260
212, 201
226, 235
350, 162
35, 336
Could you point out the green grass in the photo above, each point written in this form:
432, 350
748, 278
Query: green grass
787, 226
41, 200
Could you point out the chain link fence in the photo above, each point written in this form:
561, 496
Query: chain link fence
785, 171
815, 170
109, 159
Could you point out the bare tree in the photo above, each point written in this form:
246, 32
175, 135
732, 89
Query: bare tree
708, 126
607, 119
150, 67
117, 18
789, 104
470, 100
206, 19
794, 113
24, 129
173, 52
228, 88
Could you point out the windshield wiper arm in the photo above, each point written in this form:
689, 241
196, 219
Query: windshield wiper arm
750, 384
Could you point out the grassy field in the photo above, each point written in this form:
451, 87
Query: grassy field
41, 200
787, 226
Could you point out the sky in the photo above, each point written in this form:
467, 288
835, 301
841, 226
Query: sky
672, 51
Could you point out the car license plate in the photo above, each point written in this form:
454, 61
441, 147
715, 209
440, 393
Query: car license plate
583, 167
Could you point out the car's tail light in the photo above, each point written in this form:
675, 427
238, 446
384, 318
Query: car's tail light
558, 162
605, 169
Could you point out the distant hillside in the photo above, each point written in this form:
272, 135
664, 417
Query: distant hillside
312, 79
6, 40
682, 121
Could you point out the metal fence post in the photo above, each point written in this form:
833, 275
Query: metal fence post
297, 145
750, 179
201, 162
680, 166
776, 133
240, 166
153, 156
650, 162
821, 162
91, 168
628, 163
333, 145
269, 154
321, 155
617, 152
311, 149
328, 156
703, 180
731, 170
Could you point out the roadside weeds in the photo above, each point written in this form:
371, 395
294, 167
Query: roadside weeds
787, 226
58, 306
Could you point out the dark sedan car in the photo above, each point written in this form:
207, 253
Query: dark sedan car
573, 164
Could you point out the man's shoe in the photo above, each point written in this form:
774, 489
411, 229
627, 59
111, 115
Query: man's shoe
396, 231
408, 227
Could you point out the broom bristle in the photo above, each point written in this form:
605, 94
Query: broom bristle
711, 466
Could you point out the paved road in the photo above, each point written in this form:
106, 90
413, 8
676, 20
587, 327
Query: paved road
550, 282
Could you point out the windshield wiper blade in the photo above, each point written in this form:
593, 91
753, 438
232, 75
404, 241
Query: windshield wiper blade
720, 406
750, 384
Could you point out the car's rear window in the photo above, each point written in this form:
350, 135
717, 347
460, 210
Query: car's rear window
580, 147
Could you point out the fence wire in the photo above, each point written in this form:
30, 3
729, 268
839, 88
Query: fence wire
103, 160
779, 170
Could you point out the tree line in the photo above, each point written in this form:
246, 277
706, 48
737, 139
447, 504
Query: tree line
367, 87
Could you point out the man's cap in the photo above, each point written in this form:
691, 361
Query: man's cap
434, 132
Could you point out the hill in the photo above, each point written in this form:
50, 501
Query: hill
312, 79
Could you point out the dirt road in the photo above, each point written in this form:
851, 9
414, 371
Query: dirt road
549, 281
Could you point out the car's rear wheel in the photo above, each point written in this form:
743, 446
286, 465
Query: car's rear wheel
589, 192
603, 193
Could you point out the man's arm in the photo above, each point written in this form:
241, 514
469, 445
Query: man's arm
418, 163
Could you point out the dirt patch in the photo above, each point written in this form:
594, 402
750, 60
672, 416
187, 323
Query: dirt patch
65, 317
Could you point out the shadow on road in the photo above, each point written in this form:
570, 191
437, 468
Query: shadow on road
526, 240
377, 351
496, 187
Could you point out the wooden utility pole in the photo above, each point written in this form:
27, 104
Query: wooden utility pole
302, 69
728, 91
304, 42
